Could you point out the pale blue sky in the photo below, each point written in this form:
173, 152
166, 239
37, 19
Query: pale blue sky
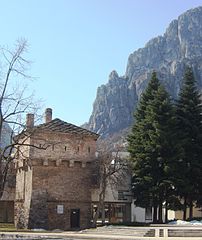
75, 44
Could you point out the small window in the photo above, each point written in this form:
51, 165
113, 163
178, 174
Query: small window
88, 149
148, 213
121, 195
78, 149
53, 147
65, 148
119, 209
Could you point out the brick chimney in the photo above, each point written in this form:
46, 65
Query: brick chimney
30, 120
48, 115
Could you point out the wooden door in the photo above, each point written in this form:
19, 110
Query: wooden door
75, 218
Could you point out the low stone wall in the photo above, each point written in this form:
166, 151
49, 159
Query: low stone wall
7, 211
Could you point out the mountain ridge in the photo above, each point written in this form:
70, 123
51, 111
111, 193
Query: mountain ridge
168, 54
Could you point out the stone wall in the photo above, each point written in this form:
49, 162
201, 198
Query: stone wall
60, 185
9, 190
58, 173
8, 197
62, 221
23, 196
62, 146
6, 211
23, 184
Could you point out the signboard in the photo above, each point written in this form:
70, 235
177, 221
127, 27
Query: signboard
60, 209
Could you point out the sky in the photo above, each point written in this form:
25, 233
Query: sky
75, 44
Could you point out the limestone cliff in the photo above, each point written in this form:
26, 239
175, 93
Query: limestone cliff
180, 45
6, 136
113, 100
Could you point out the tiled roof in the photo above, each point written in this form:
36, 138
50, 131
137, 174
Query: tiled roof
57, 125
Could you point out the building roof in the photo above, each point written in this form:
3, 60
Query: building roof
57, 125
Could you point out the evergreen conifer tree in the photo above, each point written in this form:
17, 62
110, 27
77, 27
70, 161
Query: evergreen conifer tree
189, 137
151, 148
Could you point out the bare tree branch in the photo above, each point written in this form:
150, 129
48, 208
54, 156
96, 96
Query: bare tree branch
112, 170
15, 103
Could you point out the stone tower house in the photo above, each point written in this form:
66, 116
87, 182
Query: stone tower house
53, 180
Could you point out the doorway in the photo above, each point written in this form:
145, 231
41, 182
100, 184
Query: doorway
75, 218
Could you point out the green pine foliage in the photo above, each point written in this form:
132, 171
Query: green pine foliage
189, 138
152, 148
165, 147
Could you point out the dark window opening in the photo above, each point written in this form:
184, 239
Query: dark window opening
75, 218
148, 213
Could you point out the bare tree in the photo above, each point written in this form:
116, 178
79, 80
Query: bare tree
15, 103
111, 171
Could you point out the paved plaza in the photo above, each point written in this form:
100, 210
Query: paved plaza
113, 232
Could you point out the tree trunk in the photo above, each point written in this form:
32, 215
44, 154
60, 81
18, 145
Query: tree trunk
185, 209
99, 206
110, 211
166, 212
155, 214
101, 203
95, 217
160, 215
103, 213
191, 210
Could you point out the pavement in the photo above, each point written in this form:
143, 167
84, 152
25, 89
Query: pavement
109, 233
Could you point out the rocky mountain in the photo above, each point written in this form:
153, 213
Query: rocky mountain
181, 45
5, 138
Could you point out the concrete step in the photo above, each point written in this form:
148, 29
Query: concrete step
185, 232
150, 233
127, 231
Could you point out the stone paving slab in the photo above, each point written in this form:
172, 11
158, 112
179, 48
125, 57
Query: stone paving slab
106, 233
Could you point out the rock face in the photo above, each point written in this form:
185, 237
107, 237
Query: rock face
6, 136
168, 55
113, 100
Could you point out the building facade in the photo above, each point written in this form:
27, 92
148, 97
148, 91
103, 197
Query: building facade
53, 178
118, 195
7, 200
52, 184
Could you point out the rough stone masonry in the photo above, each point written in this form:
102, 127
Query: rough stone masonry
54, 177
